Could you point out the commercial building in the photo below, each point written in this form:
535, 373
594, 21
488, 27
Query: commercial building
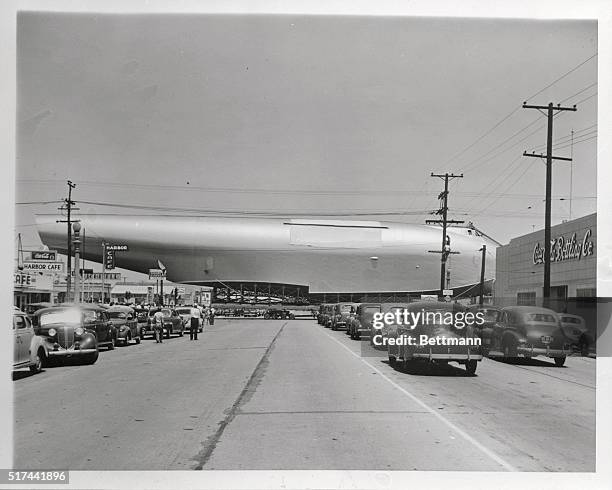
519, 277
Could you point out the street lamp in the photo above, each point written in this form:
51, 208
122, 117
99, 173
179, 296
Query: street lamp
76, 228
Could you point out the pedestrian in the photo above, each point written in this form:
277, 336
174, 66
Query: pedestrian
195, 322
211, 316
158, 326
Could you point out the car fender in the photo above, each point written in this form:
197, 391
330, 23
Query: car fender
512, 336
88, 341
35, 344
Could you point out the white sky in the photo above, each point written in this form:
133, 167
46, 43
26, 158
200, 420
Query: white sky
307, 114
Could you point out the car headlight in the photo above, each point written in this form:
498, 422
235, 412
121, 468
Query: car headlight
52, 332
79, 331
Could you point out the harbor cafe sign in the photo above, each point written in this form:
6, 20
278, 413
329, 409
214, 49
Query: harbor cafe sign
562, 249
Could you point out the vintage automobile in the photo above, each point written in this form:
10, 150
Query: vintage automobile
527, 331
361, 321
278, 314
342, 312
173, 323
575, 329
441, 334
124, 320
326, 315
185, 313
379, 335
29, 350
72, 330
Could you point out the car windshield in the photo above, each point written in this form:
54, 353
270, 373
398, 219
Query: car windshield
345, 308
541, 317
62, 316
117, 314
166, 313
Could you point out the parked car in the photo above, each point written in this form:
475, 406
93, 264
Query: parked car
445, 341
185, 313
379, 335
341, 314
326, 315
76, 331
527, 331
29, 350
173, 323
278, 314
361, 322
124, 320
575, 329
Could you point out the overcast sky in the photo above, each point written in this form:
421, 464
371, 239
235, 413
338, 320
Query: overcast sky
301, 114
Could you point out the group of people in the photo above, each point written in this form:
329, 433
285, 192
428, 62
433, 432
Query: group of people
197, 315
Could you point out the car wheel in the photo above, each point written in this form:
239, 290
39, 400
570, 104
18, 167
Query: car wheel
356, 336
168, 333
181, 333
559, 361
391, 361
38, 362
111, 346
470, 366
138, 339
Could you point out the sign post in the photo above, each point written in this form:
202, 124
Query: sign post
103, 270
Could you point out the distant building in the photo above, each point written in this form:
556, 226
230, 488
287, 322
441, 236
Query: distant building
519, 277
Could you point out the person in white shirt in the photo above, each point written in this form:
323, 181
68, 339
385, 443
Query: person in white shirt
195, 322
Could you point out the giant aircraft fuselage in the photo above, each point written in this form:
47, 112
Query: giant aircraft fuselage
328, 256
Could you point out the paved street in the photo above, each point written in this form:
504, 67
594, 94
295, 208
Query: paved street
272, 394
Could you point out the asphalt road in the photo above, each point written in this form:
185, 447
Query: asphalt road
257, 394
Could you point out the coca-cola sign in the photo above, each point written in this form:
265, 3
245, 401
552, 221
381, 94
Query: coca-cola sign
562, 249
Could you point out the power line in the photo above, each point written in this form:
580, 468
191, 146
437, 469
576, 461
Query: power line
578, 93
561, 77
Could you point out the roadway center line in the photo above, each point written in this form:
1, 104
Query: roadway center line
440, 417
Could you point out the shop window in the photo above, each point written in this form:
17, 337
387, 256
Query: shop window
586, 293
526, 299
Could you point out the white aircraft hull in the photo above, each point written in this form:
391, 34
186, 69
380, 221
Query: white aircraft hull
328, 256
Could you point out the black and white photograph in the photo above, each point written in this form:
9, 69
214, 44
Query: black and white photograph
264, 246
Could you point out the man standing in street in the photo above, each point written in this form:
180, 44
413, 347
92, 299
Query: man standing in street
195, 322
158, 326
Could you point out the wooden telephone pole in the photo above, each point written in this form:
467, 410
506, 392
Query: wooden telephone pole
445, 250
550, 112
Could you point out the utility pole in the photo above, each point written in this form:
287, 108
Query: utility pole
550, 112
482, 274
445, 250
69, 203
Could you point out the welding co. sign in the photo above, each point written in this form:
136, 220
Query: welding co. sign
562, 249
